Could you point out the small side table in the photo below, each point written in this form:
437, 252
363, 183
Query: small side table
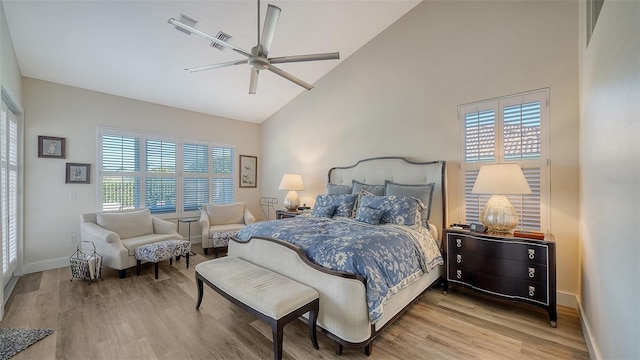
188, 221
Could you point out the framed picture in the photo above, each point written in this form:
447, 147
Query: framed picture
50, 147
78, 173
248, 171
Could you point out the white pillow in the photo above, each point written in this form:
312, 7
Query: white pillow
226, 213
127, 224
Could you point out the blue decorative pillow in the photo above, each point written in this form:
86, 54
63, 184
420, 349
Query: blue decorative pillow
344, 203
333, 189
422, 192
369, 215
374, 189
324, 211
402, 210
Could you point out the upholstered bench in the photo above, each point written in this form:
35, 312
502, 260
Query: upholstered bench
162, 250
269, 296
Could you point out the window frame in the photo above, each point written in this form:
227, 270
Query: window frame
142, 173
543, 162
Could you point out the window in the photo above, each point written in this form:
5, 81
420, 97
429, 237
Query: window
510, 129
164, 174
9, 191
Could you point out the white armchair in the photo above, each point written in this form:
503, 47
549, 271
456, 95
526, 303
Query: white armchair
117, 234
219, 221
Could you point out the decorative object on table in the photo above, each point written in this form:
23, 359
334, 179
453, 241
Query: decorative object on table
78, 173
85, 263
267, 204
12, 341
51, 147
258, 57
248, 171
499, 180
292, 183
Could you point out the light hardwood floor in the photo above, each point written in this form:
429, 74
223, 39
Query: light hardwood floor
142, 318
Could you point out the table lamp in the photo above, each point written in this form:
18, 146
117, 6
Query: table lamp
498, 215
291, 182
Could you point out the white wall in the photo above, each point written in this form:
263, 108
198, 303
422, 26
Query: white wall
610, 180
58, 110
398, 95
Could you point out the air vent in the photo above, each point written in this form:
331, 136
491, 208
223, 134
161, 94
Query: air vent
187, 21
221, 36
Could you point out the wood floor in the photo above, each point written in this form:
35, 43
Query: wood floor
142, 318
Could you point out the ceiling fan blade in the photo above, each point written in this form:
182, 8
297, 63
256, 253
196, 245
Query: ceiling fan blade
177, 23
253, 84
310, 57
270, 22
216, 66
290, 77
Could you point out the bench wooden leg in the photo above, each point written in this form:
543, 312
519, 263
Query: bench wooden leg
187, 257
338, 348
155, 267
368, 348
313, 319
278, 331
200, 292
138, 265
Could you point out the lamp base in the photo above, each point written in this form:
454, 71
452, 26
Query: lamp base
499, 216
292, 201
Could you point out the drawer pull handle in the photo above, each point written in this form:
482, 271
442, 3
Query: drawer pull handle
459, 274
532, 254
532, 273
458, 258
532, 291
458, 242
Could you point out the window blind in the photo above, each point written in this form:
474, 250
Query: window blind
121, 175
9, 191
480, 139
223, 185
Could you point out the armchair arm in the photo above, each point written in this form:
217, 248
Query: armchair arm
98, 233
248, 217
164, 227
204, 224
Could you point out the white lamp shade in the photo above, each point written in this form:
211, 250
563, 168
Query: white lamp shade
291, 182
504, 179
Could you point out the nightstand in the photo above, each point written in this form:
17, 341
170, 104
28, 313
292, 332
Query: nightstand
513, 268
284, 214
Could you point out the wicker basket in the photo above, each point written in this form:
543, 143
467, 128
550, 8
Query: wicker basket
85, 263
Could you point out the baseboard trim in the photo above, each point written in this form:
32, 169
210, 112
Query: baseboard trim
566, 299
594, 353
46, 265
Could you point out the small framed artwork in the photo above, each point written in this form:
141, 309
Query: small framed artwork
78, 173
51, 147
248, 171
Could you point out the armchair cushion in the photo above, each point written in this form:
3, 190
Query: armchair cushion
127, 225
224, 214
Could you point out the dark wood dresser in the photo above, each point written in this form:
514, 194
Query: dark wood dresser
514, 268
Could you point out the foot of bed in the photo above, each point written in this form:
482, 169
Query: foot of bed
368, 348
338, 348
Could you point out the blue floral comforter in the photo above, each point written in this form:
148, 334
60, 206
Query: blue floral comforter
389, 257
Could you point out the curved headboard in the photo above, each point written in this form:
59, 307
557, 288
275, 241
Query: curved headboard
375, 171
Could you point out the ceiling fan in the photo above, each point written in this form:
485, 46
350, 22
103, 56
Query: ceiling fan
258, 57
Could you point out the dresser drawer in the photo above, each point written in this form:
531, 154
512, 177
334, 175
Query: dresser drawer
498, 285
500, 267
508, 250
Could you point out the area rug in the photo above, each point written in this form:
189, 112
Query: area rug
12, 341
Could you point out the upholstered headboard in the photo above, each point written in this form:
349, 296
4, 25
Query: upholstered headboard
375, 171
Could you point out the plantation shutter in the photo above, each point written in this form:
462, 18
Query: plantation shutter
506, 130
196, 176
9, 189
223, 186
121, 174
160, 180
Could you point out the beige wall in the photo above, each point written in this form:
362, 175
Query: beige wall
10, 77
610, 181
398, 95
58, 110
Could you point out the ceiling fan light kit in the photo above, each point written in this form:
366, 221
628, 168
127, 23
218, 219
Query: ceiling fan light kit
258, 58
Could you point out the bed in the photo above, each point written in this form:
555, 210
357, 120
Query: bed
346, 313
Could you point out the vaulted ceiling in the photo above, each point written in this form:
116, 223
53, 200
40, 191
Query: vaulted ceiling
127, 48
